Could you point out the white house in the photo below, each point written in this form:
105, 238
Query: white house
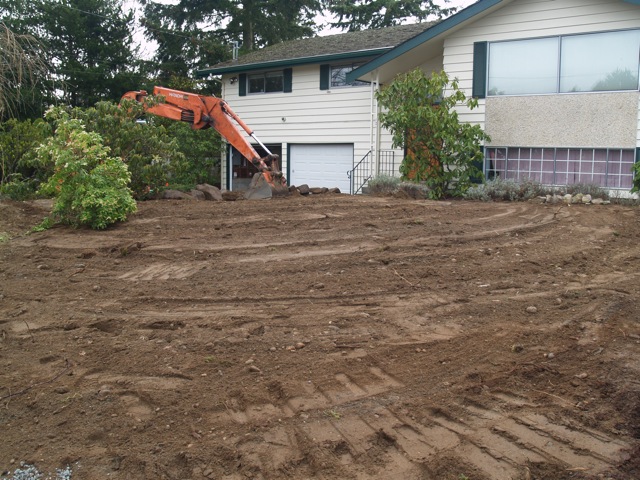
557, 83
295, 97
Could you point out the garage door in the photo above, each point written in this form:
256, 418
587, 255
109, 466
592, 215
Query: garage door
321, 165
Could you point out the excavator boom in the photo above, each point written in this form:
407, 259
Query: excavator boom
212, 112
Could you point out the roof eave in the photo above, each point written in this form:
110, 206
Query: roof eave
364, 72
291, 62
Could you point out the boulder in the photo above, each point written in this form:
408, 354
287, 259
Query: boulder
197, 195
175, 195
304, 189
210, 192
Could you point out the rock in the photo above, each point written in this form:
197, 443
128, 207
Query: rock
304, 189
197, 195
531, 309
334, 190
210, 192
586, 198
175, 195
254, 369
318, 190
517, 348
597, 201
568, 198
550, 355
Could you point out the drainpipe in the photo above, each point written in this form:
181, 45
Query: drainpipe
378, 128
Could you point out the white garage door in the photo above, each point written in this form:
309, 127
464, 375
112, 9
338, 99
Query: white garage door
321, 165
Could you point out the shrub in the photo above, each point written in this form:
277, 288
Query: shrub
90, 186
383, 185
442, 152
509, 190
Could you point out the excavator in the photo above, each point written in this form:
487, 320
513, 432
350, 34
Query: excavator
212, 112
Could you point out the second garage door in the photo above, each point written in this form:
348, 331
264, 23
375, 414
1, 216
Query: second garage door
321, 165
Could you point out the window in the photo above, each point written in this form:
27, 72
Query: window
606, 167
268, 82
339, 75
600, 62
594, 62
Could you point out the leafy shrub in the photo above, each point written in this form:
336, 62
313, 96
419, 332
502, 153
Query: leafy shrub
636, 177
90, 186
18, 188
18, 141
149, 151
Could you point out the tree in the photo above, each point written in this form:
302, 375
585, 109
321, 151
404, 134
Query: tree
22, 70
441, 151
366, 14
195, 34
89, 44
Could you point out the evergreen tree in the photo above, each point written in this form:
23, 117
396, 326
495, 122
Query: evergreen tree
89, 45
354, 15
195, 34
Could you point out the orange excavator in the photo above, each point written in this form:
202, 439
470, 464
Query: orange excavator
212, 112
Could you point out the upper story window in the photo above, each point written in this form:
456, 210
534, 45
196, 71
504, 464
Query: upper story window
595, 62
267, 82
338, 75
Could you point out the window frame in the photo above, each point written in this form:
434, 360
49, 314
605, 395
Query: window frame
264, 76
353, 66
559, 65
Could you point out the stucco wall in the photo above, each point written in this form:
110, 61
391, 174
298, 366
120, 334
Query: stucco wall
585, 120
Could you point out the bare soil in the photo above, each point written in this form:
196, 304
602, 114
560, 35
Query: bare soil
329, 337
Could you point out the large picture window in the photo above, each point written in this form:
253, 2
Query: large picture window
594, 62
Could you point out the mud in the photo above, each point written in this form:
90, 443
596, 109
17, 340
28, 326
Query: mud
328, 337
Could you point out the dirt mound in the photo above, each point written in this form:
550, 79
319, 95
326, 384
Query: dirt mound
326, 336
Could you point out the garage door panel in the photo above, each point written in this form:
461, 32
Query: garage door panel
321, 165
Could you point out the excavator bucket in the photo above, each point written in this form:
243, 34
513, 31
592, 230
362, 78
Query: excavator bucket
259, 188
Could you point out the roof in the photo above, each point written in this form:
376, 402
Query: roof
320, 49
398, 59
434, 35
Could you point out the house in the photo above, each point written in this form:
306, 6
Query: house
295, 97
557, 83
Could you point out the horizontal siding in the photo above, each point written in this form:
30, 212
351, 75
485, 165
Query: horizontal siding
529, 19
312, 116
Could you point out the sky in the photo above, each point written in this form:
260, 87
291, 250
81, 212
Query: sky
147, 48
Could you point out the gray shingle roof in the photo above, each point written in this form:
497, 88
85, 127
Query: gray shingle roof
345, 44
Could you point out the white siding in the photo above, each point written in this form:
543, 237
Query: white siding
529, 19
307, 115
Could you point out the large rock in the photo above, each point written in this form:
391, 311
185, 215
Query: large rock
175, 195
304, 189
210, 192
318, 190
197, 195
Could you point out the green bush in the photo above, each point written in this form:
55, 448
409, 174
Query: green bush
149, 151
18, 141
90, 186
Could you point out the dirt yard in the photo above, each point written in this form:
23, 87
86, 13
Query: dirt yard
329, 337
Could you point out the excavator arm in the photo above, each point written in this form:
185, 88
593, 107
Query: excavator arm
211, 112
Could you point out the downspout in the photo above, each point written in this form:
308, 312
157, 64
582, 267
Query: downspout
378, 127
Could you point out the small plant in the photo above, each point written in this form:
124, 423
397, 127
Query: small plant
46, 224
4, 237
509, 190
333, 414
596, 191
384, 185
